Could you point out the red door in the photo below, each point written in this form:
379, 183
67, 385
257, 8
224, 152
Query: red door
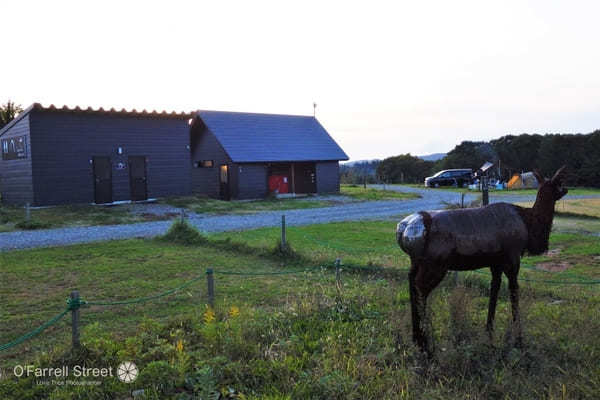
279, 183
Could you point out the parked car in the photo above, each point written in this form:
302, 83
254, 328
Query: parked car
450, 177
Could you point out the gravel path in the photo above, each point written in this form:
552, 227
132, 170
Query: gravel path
431, 199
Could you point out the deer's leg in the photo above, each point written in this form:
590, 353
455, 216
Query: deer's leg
418, 334
494, 289
427, 277
513, 287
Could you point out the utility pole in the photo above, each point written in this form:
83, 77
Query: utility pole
314, 109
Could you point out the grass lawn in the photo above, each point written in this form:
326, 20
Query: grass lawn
358, 192
579, 215
297, 335
205, 205
574, 191
200, 204
12, 217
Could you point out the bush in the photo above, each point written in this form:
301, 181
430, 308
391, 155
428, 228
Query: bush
32, 224
284, 251
181, 232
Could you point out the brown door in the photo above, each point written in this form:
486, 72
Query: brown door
137, 178
305, 178
102, 180
225, 193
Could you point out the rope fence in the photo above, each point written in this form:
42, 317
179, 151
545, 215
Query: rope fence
75, 303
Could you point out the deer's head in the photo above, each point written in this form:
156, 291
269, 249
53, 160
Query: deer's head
551, 188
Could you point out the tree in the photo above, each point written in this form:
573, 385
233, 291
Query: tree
8, 112
404, 168
468, 155
590, 168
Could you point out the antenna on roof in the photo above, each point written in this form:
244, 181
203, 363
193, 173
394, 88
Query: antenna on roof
314, 109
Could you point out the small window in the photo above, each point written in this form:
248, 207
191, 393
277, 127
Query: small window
14, 148
204, 164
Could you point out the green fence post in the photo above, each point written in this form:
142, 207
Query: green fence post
211, 287
75, 320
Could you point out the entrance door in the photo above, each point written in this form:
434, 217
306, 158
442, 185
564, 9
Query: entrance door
305, 178
102, 180
137, 178
224, 182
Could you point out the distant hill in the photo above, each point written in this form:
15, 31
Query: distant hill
433, 157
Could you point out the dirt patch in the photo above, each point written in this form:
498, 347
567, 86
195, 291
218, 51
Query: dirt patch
554, 266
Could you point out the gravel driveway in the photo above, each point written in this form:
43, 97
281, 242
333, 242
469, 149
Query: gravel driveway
430, 199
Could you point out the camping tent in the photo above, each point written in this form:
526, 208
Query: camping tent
525, 180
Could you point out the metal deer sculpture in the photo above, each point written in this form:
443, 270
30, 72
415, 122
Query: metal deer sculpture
495, 236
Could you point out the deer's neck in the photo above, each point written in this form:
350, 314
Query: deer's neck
543, 209
539, 225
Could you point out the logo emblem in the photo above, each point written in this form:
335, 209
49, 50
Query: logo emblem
127, 372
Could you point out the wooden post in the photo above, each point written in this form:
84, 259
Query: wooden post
182, 215
455, 278
365, 182
27, 212
211, 287
75, 321
485, 199
283, 238
338, 273
462, 200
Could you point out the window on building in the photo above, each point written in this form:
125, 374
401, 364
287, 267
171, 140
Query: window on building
205, 164
14, 148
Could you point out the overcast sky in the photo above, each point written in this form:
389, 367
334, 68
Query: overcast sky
388, 77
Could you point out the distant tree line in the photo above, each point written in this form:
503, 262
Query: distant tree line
404, 168
359, 172
510, 154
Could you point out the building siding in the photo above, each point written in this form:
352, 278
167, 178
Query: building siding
16, 184
328, 177
205, 181
252, 181
65, 142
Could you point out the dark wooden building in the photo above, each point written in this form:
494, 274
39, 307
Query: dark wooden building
59, 156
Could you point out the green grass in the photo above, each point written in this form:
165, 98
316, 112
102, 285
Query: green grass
205, 205
574, 191
358, 192
298, 335
579, 216
13, 218
202, 204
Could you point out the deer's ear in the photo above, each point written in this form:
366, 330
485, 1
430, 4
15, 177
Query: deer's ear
557, 173
538, 176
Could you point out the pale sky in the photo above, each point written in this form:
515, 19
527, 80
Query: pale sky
388, 77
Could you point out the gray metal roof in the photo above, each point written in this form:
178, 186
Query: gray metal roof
248, 137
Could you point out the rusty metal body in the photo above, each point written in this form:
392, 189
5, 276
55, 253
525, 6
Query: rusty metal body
464, 239
494, 236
